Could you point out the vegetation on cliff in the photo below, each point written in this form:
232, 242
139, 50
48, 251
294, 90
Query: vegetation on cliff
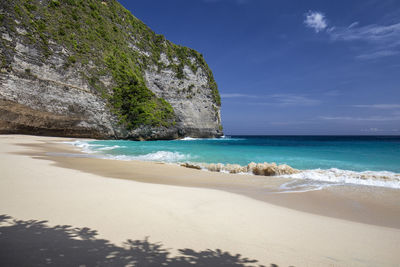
106, 39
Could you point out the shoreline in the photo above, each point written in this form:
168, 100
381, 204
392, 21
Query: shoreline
328, 177
353, 202
186, 208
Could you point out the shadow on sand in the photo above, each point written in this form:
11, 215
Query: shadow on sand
34, 243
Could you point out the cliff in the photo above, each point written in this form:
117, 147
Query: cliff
88, 68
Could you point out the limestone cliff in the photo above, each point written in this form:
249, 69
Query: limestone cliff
89, 68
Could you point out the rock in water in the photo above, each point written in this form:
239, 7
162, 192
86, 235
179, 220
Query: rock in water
214, 167
191, 166
265, 169
235, 168
270, 169
91, 69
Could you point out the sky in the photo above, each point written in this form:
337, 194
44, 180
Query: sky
293, 67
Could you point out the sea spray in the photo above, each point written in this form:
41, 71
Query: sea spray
266, 169
372, 178
340, 160
337, 176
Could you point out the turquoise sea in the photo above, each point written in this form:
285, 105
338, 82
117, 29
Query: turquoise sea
370, 160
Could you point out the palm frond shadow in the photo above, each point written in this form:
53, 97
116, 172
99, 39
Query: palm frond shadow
34, 243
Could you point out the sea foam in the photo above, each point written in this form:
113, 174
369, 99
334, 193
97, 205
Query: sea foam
84, 146
163, 156
333, 175
160, 156
372, 178
222, 138
189, 139
110, 148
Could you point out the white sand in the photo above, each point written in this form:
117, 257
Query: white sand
182, 217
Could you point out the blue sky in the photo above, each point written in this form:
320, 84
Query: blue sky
293, 67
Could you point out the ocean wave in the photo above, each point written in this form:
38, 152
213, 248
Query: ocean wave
334, 176
92, 148
162, 156
159, 156
84, 146
222, 138
301, 186
110, 148
266, 169
372, 178
189, 139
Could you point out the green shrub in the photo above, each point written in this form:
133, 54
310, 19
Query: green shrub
101, 34
17, 10
70, 2
179, 71
71, 59
29, 6
132, 100
41, 25
54, 3
61, 31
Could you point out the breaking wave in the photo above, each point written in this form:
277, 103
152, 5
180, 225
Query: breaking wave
222, 138
336, 176
110, 148
161, 156
84, 146
332, 176
372, 178
189, 139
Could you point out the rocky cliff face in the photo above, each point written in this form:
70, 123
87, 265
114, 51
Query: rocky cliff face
91, 69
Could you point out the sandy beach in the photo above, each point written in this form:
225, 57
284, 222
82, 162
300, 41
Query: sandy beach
176, 216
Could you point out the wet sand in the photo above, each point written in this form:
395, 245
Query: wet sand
364, 204
186, 208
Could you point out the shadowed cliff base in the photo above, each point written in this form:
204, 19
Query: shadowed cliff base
34, 243
16, 118
21, 119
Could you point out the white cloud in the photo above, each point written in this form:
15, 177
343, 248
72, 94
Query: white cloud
294, 100
235, 95
315, 20
379, 106
378, 54
375, 130
276, 99
371, 118
352, 25
383, 40
371, 130
284, 123
380, 40
370, 33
